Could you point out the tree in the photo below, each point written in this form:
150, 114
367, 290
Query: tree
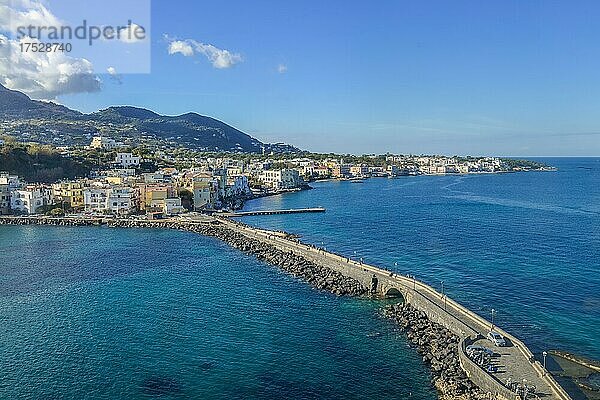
57, 212
187, 199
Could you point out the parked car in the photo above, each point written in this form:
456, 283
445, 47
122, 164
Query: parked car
474, 348
496, 338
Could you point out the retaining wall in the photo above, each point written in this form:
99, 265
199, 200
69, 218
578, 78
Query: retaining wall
486, 382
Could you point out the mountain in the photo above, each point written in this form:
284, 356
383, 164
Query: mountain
190, 130
14, 104
47, 122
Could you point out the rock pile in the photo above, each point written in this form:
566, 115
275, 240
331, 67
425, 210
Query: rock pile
321, 277
47, 221
439, 349
436, 344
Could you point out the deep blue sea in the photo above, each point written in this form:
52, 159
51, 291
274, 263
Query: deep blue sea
100, 313
119, 314
525, 244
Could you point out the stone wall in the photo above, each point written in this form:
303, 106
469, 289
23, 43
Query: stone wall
481, 378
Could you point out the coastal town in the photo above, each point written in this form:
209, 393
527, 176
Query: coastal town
161, 185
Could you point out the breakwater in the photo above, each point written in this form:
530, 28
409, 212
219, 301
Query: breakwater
342, 276
439, 348
321, 277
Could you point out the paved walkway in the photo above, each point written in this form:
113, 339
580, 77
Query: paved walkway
515, 361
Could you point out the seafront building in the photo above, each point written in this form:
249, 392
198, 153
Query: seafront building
281, 179
159, 199
29, 199
359, 171
340, 170
70, 193
212, 183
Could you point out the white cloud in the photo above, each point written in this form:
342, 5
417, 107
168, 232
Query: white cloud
282, 68
179, 46
219, 58
114, 75
41, 75
133, 33
15, 13
44, 75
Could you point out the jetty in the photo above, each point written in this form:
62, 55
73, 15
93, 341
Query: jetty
516, 361
344, 276
273, 212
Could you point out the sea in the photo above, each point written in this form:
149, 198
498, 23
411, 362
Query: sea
104, 313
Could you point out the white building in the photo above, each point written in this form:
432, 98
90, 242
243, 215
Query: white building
173, 206
12, 181
121, 200
30, 199
237, 186
102, 142
359, 170
118, 200
96, 199
127, 160
235, 170
155, 177
281, 179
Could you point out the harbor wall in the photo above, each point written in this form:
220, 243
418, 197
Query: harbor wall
456, 318
486, 382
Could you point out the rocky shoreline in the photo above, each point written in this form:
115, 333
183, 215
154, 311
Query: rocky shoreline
320, 277
439, 348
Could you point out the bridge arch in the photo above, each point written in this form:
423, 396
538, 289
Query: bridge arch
393, 292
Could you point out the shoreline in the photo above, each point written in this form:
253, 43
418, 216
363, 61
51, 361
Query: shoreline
434, 326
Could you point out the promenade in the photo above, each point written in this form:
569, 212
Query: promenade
515, 362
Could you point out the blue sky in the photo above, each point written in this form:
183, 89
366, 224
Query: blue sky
453, 77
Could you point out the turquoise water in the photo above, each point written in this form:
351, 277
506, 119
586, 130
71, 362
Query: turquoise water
89, 313
115, 314
524, 244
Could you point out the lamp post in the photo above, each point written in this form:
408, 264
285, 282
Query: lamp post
493, 312
545, 353
444, 295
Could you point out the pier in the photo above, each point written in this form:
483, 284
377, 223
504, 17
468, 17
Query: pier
273, 212
516, 361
